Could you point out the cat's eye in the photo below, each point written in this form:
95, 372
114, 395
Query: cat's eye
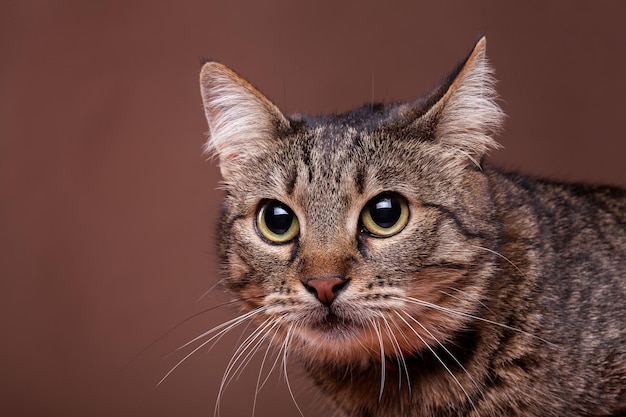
276, 222
385, 215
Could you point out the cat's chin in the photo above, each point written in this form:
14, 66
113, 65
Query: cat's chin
333, 339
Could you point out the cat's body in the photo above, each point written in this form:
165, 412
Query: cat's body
409, 279
568, 361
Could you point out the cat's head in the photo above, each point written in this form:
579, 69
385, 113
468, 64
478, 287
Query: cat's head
353, 233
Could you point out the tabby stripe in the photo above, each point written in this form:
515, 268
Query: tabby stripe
230, 223
291, 181
452, 215
359, 179
294, 252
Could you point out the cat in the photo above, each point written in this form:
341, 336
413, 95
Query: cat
407, 275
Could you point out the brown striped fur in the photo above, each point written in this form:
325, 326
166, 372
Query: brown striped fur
502, 296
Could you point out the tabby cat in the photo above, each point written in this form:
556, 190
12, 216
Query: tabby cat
407, 276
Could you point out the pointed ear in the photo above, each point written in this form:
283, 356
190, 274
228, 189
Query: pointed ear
467, 115
242, 121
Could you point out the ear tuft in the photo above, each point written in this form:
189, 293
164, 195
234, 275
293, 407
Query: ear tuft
467, 114
241, 120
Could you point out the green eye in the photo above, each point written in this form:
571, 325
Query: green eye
276, 222
385, 215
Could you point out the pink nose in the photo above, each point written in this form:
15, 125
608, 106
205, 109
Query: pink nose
325, 289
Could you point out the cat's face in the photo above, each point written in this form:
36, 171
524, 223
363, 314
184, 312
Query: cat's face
360, 236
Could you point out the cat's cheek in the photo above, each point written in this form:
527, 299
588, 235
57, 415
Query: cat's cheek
239, 280
442, 298
236, 267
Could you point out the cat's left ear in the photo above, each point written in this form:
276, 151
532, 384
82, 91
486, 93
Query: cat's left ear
465, 115
242, 121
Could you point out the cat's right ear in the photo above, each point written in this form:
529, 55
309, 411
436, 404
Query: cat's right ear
242, 121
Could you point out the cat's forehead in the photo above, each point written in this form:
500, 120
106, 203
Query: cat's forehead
327, 155
336, 126
339, 155
333, 141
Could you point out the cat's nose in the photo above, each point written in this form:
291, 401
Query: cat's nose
325, 288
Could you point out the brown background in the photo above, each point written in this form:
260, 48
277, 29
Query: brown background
107, 207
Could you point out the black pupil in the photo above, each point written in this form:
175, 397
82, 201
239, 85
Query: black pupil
278, 218
385, 211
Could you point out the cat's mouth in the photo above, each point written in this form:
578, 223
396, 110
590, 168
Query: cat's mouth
332, 323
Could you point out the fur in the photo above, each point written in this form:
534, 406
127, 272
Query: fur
501, 296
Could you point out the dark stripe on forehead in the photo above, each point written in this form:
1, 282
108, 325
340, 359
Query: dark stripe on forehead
306, 158
359, 179
291, 179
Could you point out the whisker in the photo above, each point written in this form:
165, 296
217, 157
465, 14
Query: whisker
257, 346
406, 370
500, 256
227, 326
215, 339
259, 384
471, 316
456, 380
170, 331
278, 356
211, 288
285, 352
471, 296
382, 359
447, 351
245, 351
399, 355
241, 350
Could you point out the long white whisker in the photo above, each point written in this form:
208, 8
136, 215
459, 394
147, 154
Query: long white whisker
243, 332
233, 360
204, 294
468, 295
259, 384
382, 359
225, 327
242, 349
274, 365
446, 350
500, 256
471, 316
252, 348
229, 324
180, 362
436, 356
396, 348
245, 350
285, 352
226, 377
401, 354
267, 330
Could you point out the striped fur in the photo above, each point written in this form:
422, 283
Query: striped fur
502, 295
